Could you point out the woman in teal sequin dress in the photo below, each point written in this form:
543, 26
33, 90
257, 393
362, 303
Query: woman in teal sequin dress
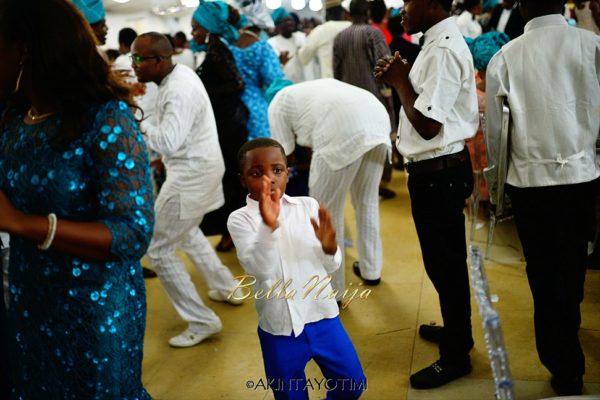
69, 145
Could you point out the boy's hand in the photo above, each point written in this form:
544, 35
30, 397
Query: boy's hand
392, 69
268, 203
325, 232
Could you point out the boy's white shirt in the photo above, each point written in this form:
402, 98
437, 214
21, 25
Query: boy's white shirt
285, 259
554, 103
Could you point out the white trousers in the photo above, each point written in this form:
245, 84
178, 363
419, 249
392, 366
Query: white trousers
361, 179
171, 232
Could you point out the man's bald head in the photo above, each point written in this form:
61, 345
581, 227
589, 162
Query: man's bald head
156, 42
151, 57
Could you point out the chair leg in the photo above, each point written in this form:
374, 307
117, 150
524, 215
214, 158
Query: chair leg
490, 236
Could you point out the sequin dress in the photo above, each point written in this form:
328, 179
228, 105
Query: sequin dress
259, 66
77, 325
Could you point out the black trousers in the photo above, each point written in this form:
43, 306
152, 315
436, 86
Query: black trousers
438, 200
554, 225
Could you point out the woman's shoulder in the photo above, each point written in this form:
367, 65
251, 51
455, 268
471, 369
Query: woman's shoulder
112, 116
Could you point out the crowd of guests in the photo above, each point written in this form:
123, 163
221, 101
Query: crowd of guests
109, 156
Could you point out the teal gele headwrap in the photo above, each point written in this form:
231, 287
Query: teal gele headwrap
485, 46
92, 10
279, 14
213, 16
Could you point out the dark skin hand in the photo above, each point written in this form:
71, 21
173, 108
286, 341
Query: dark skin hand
89, 240
284, 57
394, 71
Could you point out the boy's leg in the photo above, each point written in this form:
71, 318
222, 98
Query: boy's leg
554, 224
437, 201
169, 231
365, 199
334, 353
330, 188
285, 358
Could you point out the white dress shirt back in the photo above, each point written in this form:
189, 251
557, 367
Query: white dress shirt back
551, 77
291, 255
443, 76
338, 121
319, 43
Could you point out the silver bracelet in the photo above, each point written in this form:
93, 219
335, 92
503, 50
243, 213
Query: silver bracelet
52, 223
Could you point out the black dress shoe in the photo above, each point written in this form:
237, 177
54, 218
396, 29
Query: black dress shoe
148, 273
385, 193
563, 386
370, 282
438, 374
431, 333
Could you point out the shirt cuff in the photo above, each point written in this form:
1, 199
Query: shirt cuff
332, 262
429, 110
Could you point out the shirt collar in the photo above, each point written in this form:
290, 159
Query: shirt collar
253, 204
438, 29
544, 21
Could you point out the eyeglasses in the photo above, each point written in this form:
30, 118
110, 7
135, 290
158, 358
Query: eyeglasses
137, 59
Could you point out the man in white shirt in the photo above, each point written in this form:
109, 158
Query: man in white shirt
287, 247
319, 42
505, 17
467, 21
348, 130
287, 44
550, 78
439, 111
185, 134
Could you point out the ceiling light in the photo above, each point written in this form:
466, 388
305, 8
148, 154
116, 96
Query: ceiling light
121, 1
273, 4
298, 4
315, 5
190, 3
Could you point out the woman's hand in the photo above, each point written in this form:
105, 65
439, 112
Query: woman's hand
9, 215
325, 231
268, 203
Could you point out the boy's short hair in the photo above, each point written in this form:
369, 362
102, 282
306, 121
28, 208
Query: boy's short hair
256, 144
447, 4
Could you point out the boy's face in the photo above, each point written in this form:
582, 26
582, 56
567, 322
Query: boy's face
414, 16
260, 162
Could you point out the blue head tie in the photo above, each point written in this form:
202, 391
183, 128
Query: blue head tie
213, 16
485, 46
92, 10
279, 14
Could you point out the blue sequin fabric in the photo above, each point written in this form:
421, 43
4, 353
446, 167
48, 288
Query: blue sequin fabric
78, 325
259, 66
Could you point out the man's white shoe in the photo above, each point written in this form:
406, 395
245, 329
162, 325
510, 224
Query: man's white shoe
189, 338
223, 295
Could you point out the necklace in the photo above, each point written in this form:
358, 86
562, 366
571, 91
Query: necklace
250, 33
38, 117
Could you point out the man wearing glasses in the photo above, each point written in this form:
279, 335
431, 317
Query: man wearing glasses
184, 132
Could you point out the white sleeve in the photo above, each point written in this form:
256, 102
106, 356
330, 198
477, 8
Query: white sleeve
256, 249
443, 81
496, 82
174, 119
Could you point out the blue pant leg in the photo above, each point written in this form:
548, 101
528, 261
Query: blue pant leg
334, 353
285, 358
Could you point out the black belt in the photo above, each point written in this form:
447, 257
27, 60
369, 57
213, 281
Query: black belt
438, 164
